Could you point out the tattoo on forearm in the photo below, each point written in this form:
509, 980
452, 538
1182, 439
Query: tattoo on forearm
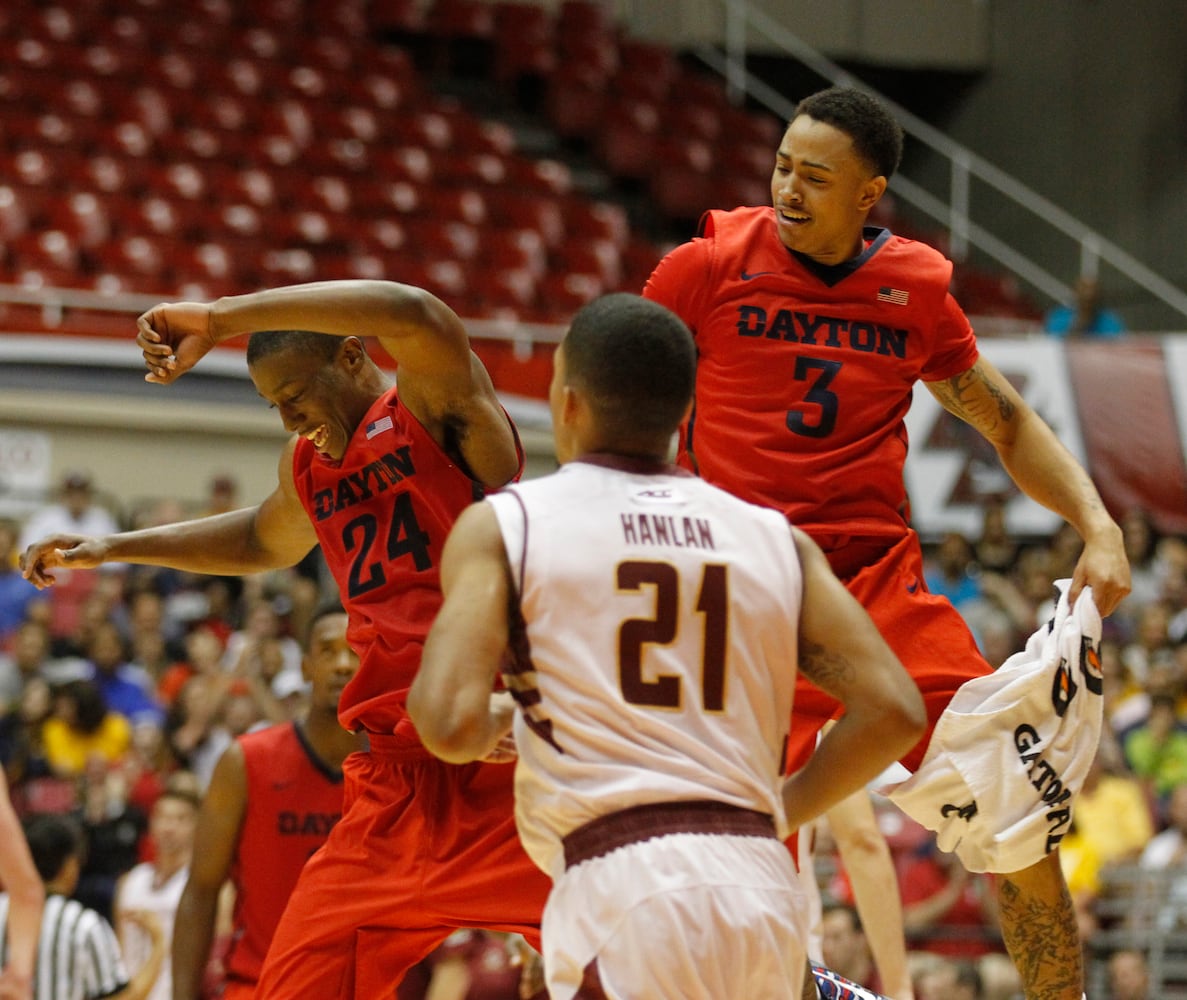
975, 399
823, 666
1043, 940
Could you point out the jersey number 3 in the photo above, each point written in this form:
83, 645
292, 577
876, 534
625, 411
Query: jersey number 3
636, 633
820, 373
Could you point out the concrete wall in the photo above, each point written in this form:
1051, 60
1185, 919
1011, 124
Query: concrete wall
952, 34
1086, 102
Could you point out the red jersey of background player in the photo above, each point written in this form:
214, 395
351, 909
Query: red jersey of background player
805, 371
293, 799
382, 515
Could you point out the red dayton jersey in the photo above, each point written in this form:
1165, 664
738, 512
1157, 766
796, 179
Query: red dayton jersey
805, 372
293, 800
382, 515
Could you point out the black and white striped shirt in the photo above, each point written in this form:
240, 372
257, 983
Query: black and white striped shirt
78, 955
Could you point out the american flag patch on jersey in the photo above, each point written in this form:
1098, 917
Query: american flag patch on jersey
378, 426
830, 986
896, 295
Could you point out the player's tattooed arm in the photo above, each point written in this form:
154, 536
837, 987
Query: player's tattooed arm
976, 398
824, 667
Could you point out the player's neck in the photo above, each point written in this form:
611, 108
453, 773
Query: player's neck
328, 739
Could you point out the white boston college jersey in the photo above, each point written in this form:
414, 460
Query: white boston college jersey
659, 656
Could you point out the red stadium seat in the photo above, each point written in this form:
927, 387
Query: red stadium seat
574, 106
507, 287
681, 194
526, 210
126, 283
600, 258
694, 121
114, 175
139, 255
397, 17
562, 293
525, 47
82, 216
736, 190
642, 58
51, 249
599, 220
545, 176
626, 141
17, 212
513, 250
461, 205
584, 17
433, 239
679, 150
638, 261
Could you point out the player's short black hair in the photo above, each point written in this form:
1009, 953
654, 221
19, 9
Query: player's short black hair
877, 137
325, 609
263, 343
53, 840
636, 361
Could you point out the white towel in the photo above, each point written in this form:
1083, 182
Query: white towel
1010, 753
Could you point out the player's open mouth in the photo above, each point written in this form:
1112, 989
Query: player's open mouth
318, 437
787, 215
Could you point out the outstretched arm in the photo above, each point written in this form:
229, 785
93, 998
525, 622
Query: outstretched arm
273, 534
450, 701
215, 841
441, 382
1045, 471
842, 652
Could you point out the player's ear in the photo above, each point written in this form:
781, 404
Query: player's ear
352, 351
871, 192
572, 403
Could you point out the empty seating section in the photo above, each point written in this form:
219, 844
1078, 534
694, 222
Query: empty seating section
216, 146
231, 145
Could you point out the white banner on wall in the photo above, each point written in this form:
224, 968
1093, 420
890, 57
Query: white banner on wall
24, 463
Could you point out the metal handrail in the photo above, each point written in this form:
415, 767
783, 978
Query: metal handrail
955, 213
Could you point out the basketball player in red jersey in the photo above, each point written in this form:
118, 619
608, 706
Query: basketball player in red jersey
812, 330
376, 477
273, 799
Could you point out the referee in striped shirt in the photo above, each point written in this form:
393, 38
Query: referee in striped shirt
78, 954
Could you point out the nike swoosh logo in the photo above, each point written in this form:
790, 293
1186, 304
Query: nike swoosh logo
912, 587
747, 276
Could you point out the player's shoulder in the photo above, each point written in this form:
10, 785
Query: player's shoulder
719, 222
263, 740
912, 250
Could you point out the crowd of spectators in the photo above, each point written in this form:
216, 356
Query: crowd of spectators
116, 679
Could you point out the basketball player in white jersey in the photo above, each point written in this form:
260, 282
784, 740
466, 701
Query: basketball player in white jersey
655, 626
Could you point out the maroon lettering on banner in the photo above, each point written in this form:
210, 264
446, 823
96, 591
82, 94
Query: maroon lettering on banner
1127, 421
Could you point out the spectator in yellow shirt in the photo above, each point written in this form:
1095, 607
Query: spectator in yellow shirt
81, 727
